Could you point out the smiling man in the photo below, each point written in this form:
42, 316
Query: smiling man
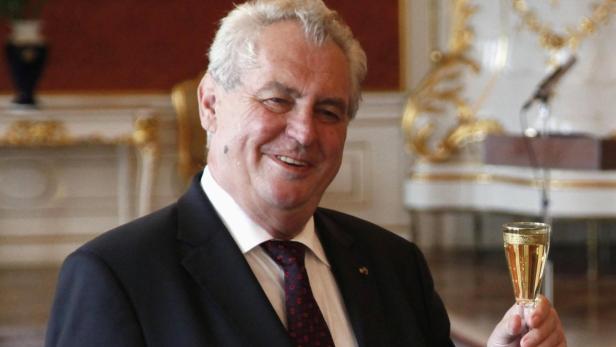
281, 131
246, 257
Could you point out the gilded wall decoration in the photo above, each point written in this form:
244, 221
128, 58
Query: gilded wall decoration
443, 88
555, 40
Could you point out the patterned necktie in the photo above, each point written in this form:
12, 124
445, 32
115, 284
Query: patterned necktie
305, 321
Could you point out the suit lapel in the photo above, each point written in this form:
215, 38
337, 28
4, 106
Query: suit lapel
358, 286
215, 262
359, 291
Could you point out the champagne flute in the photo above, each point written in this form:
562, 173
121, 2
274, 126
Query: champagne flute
526, 248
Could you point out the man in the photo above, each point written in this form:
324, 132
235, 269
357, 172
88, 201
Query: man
281, 88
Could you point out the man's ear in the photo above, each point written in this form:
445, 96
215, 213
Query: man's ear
207, 103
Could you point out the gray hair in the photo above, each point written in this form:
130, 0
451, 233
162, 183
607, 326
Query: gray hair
234, 44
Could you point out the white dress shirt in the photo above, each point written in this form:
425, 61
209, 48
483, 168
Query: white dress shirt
248, 236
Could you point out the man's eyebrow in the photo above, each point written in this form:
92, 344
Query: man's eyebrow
277, 86
335, 102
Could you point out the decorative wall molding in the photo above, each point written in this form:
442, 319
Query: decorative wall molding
74, 191
27, 182
353, 185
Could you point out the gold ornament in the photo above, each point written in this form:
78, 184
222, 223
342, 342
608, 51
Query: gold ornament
36, 133
442, 89
553, 40
54, 133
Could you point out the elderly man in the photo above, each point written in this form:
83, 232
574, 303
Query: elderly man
246, 257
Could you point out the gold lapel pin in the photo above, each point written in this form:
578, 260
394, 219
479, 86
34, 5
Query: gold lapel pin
363, 270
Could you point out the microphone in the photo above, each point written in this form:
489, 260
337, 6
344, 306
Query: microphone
545, 88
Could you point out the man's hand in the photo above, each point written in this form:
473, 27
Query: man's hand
540, 327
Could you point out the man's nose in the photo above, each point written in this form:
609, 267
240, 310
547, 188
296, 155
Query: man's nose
301, 126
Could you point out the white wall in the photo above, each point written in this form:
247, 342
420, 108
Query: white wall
54, 199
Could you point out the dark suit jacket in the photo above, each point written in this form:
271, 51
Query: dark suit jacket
177, 278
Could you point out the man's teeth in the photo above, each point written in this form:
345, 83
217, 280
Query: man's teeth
290, 160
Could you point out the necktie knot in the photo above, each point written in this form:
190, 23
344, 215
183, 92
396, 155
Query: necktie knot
287, 254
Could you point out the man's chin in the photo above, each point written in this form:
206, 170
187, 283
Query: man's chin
293, 202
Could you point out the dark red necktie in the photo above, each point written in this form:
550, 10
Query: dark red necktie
305, 321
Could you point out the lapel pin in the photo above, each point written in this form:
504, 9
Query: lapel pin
363, 270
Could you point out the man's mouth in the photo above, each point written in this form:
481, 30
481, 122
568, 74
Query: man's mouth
291, 161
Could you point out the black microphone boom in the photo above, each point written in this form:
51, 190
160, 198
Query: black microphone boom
546, 87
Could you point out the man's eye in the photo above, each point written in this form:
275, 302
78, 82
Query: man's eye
329, 115
277, 100
277, 104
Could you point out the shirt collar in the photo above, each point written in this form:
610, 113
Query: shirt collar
246, 233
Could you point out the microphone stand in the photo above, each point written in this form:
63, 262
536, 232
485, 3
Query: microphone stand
543, 95
544, 133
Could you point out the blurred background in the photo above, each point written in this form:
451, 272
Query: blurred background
98, 127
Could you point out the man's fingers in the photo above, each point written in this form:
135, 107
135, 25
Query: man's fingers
545, 327
513, 322
515, 325
541, 311
555, 338
548, 333
509, 330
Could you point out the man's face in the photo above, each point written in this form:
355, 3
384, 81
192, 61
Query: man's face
277, 139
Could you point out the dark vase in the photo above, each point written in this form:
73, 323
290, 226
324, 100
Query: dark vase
26, 63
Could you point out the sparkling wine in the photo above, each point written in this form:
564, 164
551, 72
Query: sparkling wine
526, 248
